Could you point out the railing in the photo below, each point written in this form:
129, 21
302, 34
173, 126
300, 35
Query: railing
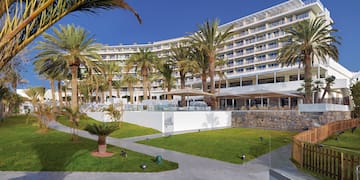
321, 159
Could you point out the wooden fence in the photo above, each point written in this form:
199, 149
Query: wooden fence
321, 159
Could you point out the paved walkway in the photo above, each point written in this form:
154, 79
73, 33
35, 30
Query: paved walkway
190, 167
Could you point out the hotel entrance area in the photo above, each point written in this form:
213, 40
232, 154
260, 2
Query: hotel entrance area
260, 100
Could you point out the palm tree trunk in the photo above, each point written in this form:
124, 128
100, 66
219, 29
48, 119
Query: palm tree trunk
145, 86
110, 89
131, 88
307, 78
118, 93
74, 92
168, 90
182, 86
102, 96
97, 94
212, 82
60, 94
203, 81
53, 100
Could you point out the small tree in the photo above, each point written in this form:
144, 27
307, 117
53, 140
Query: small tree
355, 93
115, 113
74, 117
102, 131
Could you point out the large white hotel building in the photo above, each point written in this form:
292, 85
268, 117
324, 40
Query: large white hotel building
251, 67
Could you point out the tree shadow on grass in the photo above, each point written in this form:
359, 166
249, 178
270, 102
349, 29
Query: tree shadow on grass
54, 158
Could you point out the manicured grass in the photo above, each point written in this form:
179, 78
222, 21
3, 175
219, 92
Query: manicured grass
126, 129
226, 144
347, 140
24, 148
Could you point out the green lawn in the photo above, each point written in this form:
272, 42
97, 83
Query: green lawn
347, 140
226, 144
24, 148
126, 129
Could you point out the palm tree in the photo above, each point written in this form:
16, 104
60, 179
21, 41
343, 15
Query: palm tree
309, 41
117, 85
329, 81
130, 81
22, 21
74, 118
208, 38
203, 65
184, 64
144, 62
72, 46
46, 69
166, 70
219, 72
102, 131
111, 69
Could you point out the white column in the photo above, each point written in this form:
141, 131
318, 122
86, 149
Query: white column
240, 81
318, 72
257, 79
274, 77
289, 102
298, 74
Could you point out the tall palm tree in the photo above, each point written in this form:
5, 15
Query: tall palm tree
36, 96
144, 63
111, 68
166, 69
72, 46
219, 72
185, 64
208, 38
309, 41
23, 21
46, 69
130, 81
203, 65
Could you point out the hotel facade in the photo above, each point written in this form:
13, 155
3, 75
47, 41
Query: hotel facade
253, 76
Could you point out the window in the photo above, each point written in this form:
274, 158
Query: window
239, 61
239, 52
239, 70
249, 50
261, 57
302, 16
260, 67
250, 59
230, 63
230, 55
249, 69
273, 65
273, 44
229, 46
239, 43
272, 55
261, 37
229, 71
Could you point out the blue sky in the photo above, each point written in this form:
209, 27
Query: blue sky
165, 19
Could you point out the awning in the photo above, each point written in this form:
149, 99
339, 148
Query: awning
188, 92
256, 94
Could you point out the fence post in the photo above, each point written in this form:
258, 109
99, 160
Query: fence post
302, 154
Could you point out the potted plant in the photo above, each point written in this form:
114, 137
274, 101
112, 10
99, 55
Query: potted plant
102, 131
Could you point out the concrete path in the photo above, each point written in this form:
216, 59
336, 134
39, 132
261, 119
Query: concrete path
190, 167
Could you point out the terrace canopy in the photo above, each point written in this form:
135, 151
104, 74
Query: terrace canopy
256, 94
188, 92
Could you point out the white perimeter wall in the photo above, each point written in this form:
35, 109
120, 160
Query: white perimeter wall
201, 120
145, 118
179, 121
172, 121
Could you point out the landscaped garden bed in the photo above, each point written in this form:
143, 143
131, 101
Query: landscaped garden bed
225, 144
24, 148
